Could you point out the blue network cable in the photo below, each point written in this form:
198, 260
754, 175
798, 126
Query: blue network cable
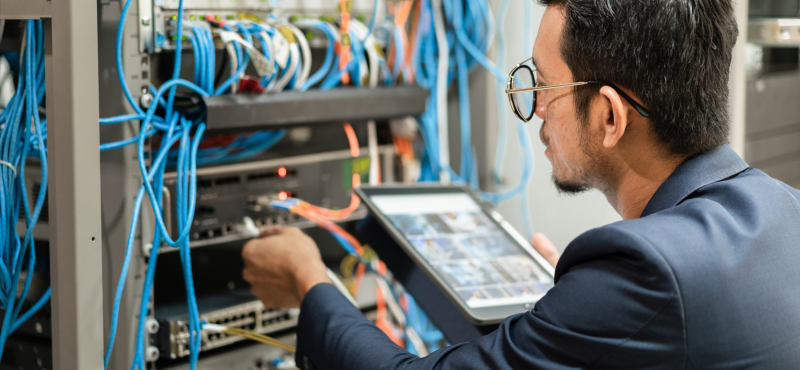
469, 34
22, 135
502, 114
326, 65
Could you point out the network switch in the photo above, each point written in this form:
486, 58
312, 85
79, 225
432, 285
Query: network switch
250, 315
227, 194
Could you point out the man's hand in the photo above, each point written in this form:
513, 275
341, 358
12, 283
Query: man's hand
282, 266
546, 248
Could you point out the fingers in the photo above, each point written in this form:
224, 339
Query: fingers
271, 230
545, 247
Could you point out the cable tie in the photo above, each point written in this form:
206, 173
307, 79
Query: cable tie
9, 165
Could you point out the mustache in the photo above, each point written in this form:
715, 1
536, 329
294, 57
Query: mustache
544, 138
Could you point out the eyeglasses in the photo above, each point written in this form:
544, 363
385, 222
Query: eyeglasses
522, 89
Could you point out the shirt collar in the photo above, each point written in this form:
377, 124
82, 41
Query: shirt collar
701, 170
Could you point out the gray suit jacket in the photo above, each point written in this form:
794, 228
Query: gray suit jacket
707, 278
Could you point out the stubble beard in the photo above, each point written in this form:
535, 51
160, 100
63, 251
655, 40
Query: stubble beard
573, 187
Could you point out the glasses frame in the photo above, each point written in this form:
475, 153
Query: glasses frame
509, 91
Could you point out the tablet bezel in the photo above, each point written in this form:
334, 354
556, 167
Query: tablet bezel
475, 315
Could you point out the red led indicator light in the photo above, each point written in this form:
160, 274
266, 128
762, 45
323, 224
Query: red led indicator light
284, 195
282, 172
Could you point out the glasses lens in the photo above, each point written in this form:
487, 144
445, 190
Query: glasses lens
523, 79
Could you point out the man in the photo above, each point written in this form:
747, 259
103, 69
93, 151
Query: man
704, 270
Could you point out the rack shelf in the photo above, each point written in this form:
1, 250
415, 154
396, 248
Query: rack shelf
290, 108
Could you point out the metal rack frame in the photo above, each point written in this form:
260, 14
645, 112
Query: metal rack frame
80, 244
75, 224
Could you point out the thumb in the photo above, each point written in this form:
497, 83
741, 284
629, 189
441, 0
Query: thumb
546, 248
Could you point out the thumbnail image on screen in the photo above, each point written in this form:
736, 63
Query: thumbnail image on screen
482, 263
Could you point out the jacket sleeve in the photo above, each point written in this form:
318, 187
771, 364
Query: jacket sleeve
611, 307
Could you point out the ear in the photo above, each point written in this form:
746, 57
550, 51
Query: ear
616, 122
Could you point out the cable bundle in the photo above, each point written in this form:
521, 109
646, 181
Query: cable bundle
173, 127
181, 134
23, 134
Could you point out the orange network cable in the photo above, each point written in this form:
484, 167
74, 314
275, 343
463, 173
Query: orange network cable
339, 214
355, 151
343, 46
411, 47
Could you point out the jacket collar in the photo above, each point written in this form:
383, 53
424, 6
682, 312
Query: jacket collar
701, 170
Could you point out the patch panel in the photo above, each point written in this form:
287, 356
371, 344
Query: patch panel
251, 316
157, 18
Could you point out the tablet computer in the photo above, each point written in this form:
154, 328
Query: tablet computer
484, 266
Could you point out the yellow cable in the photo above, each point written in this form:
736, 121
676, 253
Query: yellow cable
260, 338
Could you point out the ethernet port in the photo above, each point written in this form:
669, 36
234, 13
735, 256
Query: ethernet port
204, 183
204, 234
227, 180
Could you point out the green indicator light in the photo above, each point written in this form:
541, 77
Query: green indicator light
174, 17
183, 38
294, 18
191, 17
217, 17
230, 17
174, 38
309, 35
361, 18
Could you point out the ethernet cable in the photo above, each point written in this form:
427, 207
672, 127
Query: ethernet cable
214, 328
294, 59
502, 114
21, 124
345, 55
360, 32
305, 51
328, 30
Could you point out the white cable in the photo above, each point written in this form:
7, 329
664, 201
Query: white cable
391, 303
294, 51
214, 328
419, 345
374, 158
441, 89
282, 54
234, 66
340, 286
268, 47
9, 165
360, 30
306, 51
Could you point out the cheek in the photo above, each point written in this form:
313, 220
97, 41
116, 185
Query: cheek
564, 149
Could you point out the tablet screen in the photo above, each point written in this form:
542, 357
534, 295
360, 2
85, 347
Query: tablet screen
468, 250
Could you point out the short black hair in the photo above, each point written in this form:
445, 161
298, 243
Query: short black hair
674, 55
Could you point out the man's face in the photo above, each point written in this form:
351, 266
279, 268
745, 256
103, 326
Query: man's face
562, 132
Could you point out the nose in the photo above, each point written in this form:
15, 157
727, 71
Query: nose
539, 110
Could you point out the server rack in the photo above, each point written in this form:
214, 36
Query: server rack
85, 233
